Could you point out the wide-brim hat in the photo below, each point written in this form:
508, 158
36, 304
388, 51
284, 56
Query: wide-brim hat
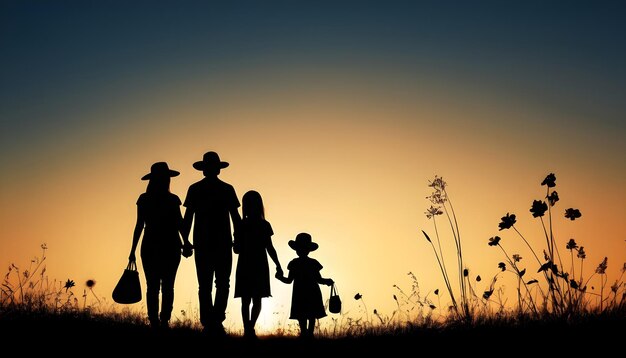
210, 160
160, 169
303, 242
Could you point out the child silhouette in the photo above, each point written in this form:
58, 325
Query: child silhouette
253, 243
306, 297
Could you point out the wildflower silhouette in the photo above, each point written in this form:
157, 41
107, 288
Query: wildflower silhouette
571, 245
494, 241
90, 285
507, 221
538, 208
572, 214
601, 269
614, 287
549, 180
432, 211
358, 297
564, 293
69, 284
441, 199
548, 266
487, 294
553, 198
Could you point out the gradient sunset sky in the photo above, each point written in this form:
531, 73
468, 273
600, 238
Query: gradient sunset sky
337, 112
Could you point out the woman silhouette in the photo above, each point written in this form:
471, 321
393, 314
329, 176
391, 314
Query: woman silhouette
253, 243
158, 213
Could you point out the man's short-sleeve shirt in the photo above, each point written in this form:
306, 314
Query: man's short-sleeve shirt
211, 200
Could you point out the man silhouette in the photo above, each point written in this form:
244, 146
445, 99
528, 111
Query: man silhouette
213, 203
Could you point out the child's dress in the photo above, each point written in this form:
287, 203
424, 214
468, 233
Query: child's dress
306, 297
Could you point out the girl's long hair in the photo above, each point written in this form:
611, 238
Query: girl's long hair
252, 205
158, 185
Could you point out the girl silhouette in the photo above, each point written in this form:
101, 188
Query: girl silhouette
159, 218
306, 298
253, 243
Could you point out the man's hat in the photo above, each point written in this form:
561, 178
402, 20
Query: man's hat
210, 160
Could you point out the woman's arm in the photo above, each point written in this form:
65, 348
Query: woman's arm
139, 225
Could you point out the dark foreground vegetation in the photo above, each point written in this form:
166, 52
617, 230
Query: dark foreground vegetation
33, 333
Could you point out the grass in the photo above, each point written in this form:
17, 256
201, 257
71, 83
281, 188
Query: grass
554, 313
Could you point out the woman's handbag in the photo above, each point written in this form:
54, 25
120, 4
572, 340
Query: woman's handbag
128, 288
334, 302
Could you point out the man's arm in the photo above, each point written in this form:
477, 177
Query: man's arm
186, 225
236, 219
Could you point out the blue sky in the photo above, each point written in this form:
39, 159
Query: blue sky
61, 56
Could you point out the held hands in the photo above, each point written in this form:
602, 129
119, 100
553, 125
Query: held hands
236, 246
280, 275
187, 249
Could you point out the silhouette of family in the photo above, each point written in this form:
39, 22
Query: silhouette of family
211, 205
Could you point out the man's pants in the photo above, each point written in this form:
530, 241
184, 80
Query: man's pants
212, 263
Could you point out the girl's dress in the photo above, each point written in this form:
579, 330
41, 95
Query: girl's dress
252, 277
306, 298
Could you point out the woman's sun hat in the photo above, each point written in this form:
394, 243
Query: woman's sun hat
160, 169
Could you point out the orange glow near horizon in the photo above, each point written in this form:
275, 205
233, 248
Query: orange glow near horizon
347, 163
